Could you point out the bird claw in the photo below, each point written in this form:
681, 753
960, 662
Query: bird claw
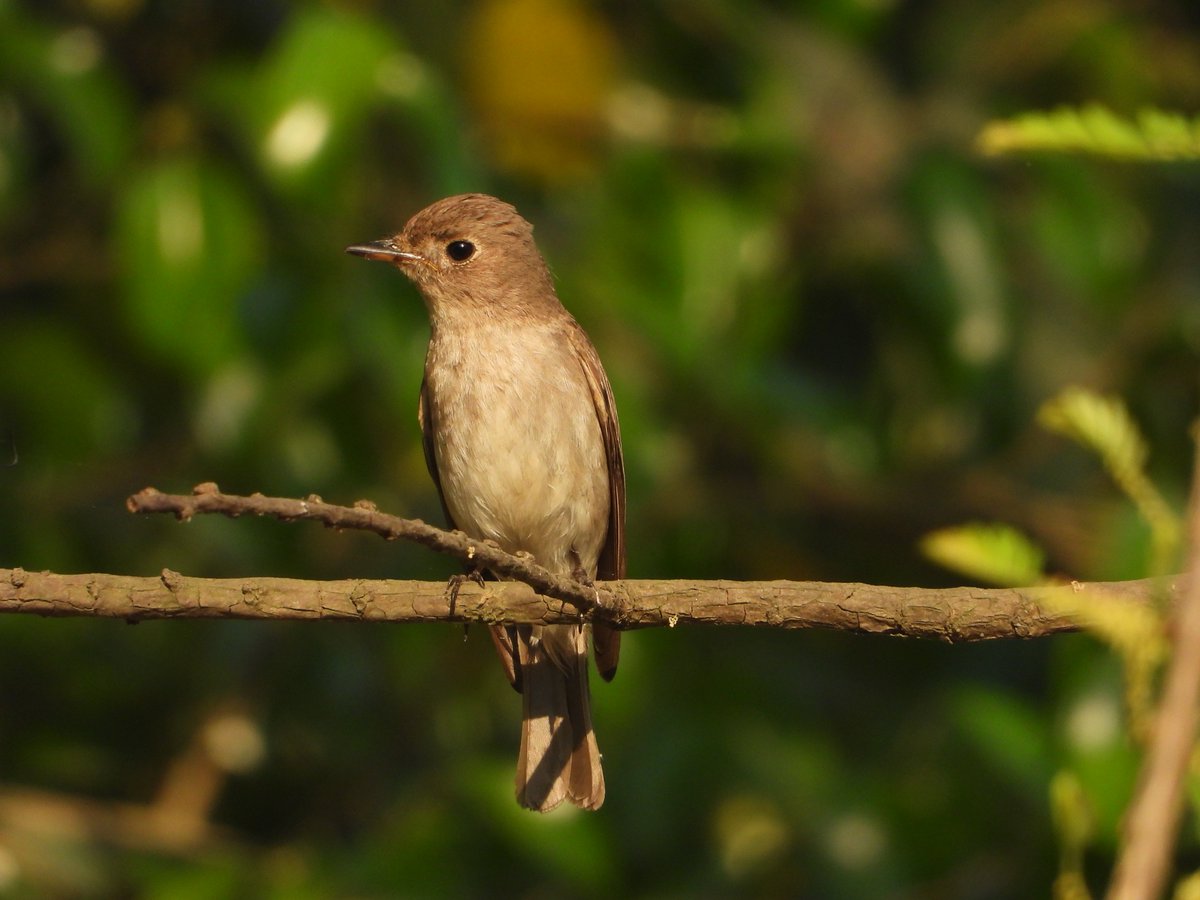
454, 585
580, 574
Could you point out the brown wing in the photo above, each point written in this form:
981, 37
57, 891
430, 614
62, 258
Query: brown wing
425, 418
606, 641
504, 637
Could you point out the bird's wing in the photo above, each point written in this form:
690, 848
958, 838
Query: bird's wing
503, 636
606, 640
425, 418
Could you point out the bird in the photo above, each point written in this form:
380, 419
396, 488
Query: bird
520, 433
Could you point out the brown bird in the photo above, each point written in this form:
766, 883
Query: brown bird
521, 438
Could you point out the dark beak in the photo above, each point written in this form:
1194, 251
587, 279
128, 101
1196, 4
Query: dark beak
383, 251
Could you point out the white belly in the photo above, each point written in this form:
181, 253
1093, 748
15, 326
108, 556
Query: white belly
518, 446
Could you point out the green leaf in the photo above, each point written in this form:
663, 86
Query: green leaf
567, 842
1103, 424
991, 552
1074, 822
64, 72
66, 403
1006, 731
1100, 423
1153, 135
189, 243
1072, 815
305, 105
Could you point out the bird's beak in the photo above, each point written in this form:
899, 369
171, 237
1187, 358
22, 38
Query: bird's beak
384, 251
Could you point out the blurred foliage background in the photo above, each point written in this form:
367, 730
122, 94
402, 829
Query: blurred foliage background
829, 322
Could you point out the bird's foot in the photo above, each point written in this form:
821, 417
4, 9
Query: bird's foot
578, 572
454, 585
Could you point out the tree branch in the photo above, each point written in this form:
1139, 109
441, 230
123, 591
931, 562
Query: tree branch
1152, 820
364, 516
946, 614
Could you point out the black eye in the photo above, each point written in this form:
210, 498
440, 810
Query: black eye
460, 251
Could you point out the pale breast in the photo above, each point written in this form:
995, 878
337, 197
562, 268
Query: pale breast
518, 444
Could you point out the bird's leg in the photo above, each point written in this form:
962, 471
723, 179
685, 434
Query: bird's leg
454, 585
580, 574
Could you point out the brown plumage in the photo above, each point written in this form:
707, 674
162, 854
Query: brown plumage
521, 438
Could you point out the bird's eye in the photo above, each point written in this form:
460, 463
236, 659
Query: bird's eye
460, 251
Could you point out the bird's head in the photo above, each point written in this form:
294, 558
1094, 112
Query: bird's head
470, 252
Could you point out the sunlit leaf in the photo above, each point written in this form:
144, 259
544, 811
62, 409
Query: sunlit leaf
566, 841
303, 107
749, 832
1152, 135
317, 83
1103, 425
1099, 423
1188, 888
991, 552
1069, 808
1074, 824
1137, 633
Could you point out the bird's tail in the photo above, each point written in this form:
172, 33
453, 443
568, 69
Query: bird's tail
559, 759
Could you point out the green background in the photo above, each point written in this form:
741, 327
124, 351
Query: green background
828, 321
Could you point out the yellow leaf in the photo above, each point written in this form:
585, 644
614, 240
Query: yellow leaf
540, 73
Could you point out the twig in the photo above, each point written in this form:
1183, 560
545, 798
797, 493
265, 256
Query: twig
1152, 821
364, 516
947, 614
